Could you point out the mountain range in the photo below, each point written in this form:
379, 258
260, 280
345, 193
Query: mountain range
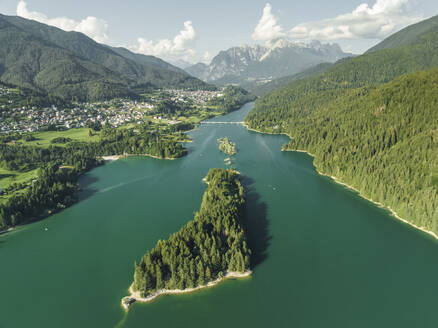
72, 66
252, 65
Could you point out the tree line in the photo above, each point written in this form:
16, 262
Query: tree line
205, 249
233, 98
382, 140
59, 168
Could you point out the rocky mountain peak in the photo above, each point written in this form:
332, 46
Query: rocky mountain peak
277, 58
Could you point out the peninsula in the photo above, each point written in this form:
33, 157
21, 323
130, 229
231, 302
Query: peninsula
207, 250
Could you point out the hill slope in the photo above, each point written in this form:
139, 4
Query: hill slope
408, 35
379, 137
284, 81
382, 141
72, 66
369, 69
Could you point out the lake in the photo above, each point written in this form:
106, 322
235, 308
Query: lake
323, 256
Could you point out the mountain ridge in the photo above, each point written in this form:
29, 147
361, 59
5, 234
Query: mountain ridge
256, 64
72, 66
407, 35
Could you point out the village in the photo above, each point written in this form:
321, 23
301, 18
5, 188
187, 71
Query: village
116, 112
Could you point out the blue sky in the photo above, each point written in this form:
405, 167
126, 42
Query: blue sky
194, 30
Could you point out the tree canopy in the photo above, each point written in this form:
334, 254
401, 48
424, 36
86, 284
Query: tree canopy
205, 249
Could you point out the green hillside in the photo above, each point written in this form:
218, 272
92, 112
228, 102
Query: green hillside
383, 141
408, 35
369, 69
380, 137
284, 81
74, 67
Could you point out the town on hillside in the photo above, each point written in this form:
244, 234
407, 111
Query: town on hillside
18, 118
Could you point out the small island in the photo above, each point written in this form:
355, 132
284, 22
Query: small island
207, 250
226, 146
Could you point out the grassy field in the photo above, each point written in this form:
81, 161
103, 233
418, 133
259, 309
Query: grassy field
8, 177
435, 177
43, 138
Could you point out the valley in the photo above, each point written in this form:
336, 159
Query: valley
291, 181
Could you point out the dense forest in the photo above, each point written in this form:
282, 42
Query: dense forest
370, 69
55, 188
73, 67
381, 140
59, 168
371, 121
275, 84
208, 247
25, 97
233, 98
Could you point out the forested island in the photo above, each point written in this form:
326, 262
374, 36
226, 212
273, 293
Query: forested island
226, 146
209, 248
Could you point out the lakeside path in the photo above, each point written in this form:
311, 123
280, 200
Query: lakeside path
339, 181
135, 295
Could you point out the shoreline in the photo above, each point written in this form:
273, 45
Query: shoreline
7, 230
106, 159
112, 158
393, 213
134, 296
339, 181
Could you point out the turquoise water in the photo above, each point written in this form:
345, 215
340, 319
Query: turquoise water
324, 257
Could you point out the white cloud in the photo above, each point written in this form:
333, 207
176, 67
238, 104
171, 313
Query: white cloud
93, 27
206, 57
177, 49
365, 22
267, 28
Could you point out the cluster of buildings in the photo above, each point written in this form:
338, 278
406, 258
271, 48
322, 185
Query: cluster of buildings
4, 91
30, 119
199, 97
115, 112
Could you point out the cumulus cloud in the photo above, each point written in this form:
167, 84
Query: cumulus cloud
92, 26
267, 27
364, 22
177, 49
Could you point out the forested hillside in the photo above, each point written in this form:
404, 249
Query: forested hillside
408, 35
284, 81
379, 137
208, 247
369, 69
72, 66
383, 141
232, 99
